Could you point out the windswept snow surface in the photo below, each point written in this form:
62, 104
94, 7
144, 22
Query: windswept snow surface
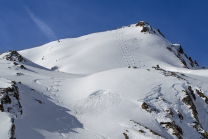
82, 88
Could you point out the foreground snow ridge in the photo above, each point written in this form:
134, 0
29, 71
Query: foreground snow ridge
128, 83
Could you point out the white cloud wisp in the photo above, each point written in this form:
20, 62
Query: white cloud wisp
42, 26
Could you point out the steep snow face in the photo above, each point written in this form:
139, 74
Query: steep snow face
137, 45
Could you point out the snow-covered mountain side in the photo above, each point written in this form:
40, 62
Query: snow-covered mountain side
128, 83
136, 45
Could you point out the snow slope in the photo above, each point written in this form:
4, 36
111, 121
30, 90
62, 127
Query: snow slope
82, 88
102, 51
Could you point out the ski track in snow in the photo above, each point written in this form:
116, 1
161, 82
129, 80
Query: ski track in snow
137, 46
153, 91
61, 132
92, 105
126, 48
119, 38
51, 90
121, 49
89, 106
128, 57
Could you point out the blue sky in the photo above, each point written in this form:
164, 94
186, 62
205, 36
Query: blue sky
29, 23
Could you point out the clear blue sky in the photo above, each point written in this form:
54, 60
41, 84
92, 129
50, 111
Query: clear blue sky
30, 23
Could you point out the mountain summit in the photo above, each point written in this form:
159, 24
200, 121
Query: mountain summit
127, 83
137, 45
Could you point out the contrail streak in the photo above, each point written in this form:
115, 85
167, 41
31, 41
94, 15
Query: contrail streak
42, 26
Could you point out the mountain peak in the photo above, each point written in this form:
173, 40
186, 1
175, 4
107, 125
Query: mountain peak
125, 83
138, 45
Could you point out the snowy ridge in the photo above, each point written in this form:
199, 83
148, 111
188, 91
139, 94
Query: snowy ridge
128, 83
128, 46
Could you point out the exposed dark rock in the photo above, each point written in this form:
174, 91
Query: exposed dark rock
196, 63
39, 101
6, 99
118, 28
15, 56
161, 99
179, 53
13, 82
191, 62
188, 101
145, 29
180, 50
180, 116
141, 24
19, 74
186, 56
170, 49
15, 63
170, 112
12, 131
199, 128
151, 29
22, 67
177, 130
8, 93
2, 106
54, 68
202, 96
148, 108
125, 135
147, 128
145, 106
190, 59
141, 131
192, 92
9, 89
169, 73
184, 63
204, 134
160, 33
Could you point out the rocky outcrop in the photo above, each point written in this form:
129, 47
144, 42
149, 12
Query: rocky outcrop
178, 51
10, 102
14, 56
148, 29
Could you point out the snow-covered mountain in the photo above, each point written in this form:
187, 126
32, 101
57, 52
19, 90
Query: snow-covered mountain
129, 83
